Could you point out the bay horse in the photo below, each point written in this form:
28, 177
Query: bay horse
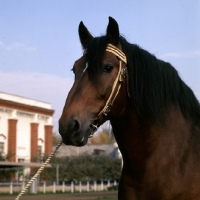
154, 115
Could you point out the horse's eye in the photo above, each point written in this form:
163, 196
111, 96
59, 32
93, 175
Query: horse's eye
108, 68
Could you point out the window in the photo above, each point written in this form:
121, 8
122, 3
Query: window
39, 153
1, 147
21, 160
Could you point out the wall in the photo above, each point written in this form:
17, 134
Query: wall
22, 126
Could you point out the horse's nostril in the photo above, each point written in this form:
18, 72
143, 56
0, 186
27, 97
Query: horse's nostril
70, 129
75, 126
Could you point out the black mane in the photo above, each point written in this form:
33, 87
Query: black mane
154, 85
95, 52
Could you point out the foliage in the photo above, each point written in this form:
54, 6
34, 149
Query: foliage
111, 167
8, 172
83, 168
6, 156
104, 137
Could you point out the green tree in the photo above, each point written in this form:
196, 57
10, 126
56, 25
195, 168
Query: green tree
83, 168
6, 173
111, 167
104, 137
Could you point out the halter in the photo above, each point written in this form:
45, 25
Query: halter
122, 73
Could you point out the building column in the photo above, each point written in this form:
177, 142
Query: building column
33, 141
12, 139
48, 139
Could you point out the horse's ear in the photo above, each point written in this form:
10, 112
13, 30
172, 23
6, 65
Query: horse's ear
84, 35
112, 32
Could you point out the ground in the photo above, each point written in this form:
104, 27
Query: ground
77, 196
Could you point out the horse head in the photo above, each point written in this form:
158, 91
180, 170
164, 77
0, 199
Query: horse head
99, 90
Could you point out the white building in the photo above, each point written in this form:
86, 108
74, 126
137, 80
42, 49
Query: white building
25, 128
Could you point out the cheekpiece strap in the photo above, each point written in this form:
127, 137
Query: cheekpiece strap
115, 88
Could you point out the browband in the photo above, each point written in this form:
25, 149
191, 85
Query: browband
116, 51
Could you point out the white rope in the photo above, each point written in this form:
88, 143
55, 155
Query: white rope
39, 171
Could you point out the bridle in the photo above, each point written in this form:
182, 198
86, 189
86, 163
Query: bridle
122, 74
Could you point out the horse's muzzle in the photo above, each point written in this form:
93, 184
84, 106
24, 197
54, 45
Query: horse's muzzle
72, 134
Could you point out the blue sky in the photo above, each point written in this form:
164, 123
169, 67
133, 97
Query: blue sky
39, 40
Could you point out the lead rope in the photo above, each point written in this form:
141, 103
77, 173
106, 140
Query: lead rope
39, 171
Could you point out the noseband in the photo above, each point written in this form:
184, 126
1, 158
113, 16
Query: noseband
122, 74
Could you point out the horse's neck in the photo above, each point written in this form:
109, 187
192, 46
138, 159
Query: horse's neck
151, 143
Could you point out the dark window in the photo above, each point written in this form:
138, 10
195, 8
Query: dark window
1, 147
39, 153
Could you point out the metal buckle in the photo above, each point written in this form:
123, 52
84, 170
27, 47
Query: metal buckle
107, 110
94, 129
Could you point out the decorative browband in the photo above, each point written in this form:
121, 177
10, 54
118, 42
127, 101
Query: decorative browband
116, 51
